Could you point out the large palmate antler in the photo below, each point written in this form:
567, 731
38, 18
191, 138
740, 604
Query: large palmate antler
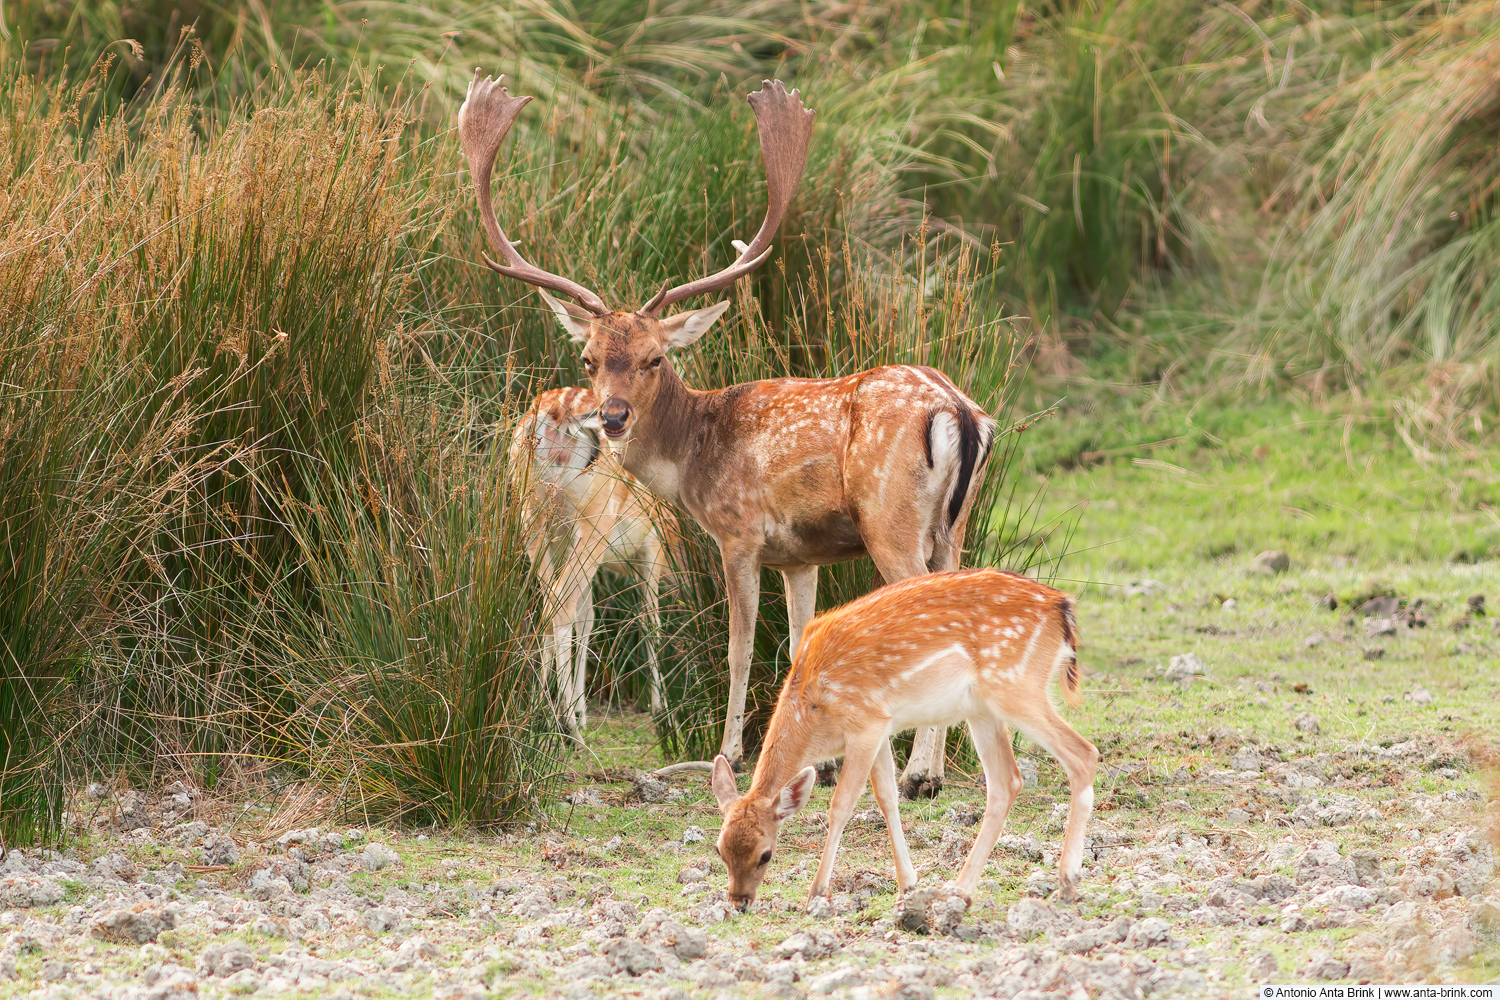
483, 121
785, 131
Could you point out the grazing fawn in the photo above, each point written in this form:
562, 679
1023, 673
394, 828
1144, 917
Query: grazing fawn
980, 646
784, 473
584, 513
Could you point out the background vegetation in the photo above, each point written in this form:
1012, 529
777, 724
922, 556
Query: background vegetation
253, 381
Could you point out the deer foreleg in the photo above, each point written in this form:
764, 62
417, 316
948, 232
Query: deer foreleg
656, 569
742, 579
858, 758
801, 602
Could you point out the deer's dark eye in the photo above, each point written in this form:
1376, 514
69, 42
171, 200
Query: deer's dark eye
765, 859
588, 366
653, 364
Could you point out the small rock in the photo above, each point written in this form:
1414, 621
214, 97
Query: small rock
1240, 817
53, 972
1322, 965
1308, 723
1379, 607
1326, 602
413, 949
1270, 563
961, 814
382, 920
690, 874
1263, 967
1029, 918
220, 849
1183, 668
693, 835
810, 944
1144, 588
1484, 920
1315, 640
583, 797
134, 926
97, 791
26, 891
1229, 604
1419, 696
291, 837
685, 942
632, 957
839, 979
1375, 627
649, 788
1148, 933
378, 856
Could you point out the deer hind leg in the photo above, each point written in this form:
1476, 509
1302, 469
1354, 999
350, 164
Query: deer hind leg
1002, 783
883, 781
742, 579
1080, 759
859, 756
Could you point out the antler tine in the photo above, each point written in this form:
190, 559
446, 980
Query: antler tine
486, 116
785, 132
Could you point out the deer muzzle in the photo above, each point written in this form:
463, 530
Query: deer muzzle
613, 416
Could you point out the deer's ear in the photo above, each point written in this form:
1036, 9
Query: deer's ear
685, 327
575, 319
795, 795
723, 782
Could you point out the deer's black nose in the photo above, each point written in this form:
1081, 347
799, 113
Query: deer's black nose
613, 414
741, 903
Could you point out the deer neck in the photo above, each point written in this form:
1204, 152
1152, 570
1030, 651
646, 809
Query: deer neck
665, 438
786, 748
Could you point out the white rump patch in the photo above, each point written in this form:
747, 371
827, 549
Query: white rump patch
945, 444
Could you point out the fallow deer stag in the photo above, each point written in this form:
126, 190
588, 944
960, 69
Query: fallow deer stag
975, 645
783, 473
583, 514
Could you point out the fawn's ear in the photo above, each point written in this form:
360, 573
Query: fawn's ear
795, 795
723, 782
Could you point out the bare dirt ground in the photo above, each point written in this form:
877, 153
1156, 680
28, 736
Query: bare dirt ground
1290, 794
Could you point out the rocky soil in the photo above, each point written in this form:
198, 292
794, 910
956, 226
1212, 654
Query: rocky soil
157, 904
1277, 804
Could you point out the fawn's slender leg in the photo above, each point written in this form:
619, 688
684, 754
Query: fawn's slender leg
883, 781
859, 755
1002, 783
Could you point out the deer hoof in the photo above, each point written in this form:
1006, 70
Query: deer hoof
828, 773
920, 786
1067, 892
